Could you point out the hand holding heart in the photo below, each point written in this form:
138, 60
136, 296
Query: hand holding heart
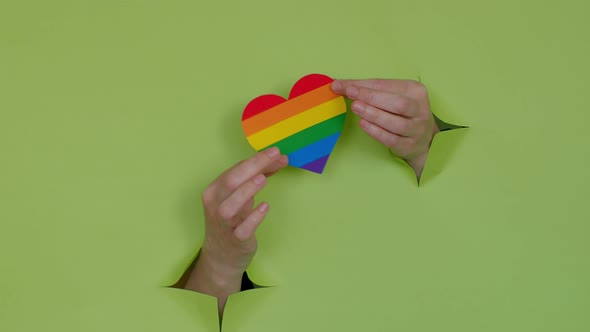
231, 221
395, 113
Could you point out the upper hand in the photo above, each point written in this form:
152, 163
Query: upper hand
395, 113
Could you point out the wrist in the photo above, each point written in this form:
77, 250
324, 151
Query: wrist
214, 277
221, 267
417, 162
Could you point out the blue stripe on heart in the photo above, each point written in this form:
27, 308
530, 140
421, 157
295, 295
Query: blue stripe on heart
313, 151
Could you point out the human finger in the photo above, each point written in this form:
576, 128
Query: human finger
232, 206
247, 228
281, 163
408, 88
386, 101
246, 209
249, 206
385, 137
391, 122
261, 163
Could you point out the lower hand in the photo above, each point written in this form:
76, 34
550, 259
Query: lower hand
231, 220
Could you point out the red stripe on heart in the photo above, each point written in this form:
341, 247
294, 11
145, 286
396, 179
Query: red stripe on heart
261, 104
266, 102
308, 83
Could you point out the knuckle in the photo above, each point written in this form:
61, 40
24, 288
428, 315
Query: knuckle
418, 89
241, 235
208, 196
366, 95
248, 189
225, 212
379, 134
391, 140
231, 182
371, 114
262, 156
377, 84
402, 104
259, 160
378, 118
403, 127
369, 128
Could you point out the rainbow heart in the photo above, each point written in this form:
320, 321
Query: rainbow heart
305, 127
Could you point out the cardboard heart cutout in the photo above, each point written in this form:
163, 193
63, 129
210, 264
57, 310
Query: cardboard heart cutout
305, 127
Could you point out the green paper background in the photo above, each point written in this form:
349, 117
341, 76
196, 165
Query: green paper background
115, 115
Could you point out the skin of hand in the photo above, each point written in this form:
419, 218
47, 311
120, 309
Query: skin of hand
395, 113
231, 220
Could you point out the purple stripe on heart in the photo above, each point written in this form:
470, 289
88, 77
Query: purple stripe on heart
317, 166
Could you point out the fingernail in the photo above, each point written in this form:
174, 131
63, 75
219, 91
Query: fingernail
358, 108
263, 207
284, 159
259, 179
352, 92
272, 152
336, 86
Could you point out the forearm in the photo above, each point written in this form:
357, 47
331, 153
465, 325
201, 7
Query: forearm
211, 278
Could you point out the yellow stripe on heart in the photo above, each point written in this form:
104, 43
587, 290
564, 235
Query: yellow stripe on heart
297, 123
